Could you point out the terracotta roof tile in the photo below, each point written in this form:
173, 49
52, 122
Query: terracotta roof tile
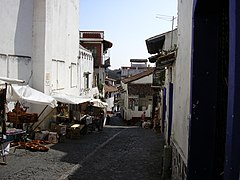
138, 76
110, 88
140, 89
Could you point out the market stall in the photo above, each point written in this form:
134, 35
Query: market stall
98, 109
84, 114
19, 115
69, 114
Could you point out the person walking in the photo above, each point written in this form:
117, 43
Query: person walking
142, 118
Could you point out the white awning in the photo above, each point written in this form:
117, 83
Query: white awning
99, 103
4, 80
18, 93
69, 99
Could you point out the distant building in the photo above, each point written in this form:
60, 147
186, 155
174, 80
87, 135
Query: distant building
111, 94
137, 66
136, 95
86, 73
95, 42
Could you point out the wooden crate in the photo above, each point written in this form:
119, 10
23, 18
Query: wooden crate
23, 118
12, 117
28, 118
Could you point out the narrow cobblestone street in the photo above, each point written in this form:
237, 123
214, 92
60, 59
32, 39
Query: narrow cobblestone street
118, 152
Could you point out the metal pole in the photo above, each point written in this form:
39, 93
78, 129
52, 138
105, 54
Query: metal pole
172, 31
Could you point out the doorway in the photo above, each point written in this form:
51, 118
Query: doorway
209, 90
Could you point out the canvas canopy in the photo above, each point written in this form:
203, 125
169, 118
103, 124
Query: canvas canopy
4, 80
99, 103
69, 99
26, 93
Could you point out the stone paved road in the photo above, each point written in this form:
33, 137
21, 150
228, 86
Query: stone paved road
118, 152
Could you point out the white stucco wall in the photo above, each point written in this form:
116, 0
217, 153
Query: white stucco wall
55, 45
38, 38
124, 99
136, 113
181, 80
16, 27
170, 40
144, 80
129, 113
16, 19
110, 102
32, 34
130, 71
168, 79
62, 44
85, 65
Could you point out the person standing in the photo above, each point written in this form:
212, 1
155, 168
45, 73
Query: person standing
142, 118
90, 109
108, 119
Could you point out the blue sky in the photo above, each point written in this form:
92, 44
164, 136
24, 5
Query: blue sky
127, 24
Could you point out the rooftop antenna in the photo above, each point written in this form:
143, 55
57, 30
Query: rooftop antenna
168, 18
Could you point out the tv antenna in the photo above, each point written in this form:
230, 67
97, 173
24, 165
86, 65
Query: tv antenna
168, 18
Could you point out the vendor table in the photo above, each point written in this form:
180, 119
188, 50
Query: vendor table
75, 130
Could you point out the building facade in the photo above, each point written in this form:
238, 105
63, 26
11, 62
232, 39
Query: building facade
137, 66
95, 42
86, 72
204, 93
40, 44
137, 96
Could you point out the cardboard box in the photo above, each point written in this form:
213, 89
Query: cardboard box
62, 129
41, 135
53, 137
59, 128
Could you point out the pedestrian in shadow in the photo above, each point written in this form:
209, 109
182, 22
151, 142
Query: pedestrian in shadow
108, 119
142, 118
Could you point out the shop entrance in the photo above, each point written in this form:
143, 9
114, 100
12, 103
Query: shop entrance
209, 90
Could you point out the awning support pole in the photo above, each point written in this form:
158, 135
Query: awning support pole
38, 117
43, 111
43, 119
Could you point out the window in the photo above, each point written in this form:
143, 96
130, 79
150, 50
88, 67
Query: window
58, 74
142, 104
73, 75
86, 80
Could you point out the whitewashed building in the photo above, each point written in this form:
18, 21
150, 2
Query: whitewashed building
110, 94
137, 96
137, 66
202, 93
86, 73
40, 44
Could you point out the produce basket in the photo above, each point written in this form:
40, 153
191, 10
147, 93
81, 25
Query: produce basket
28, 118
12, 117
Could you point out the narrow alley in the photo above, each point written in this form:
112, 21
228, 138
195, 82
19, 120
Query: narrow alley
117, 152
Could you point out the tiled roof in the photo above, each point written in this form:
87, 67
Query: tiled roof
140, 89
110, 88
109, 79
138, 76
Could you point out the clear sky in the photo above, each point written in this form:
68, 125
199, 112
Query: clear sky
127, 24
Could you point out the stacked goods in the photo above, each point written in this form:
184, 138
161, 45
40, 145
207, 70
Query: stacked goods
28, 118
34, 145
22, 117
19, 115
12, 117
